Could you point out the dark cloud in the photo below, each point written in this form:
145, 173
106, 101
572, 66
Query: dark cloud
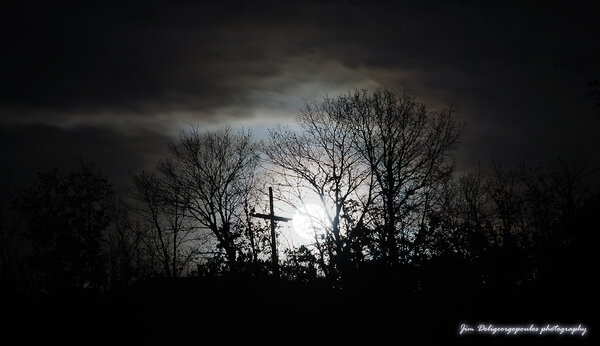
516, 73
142, 59
32, 148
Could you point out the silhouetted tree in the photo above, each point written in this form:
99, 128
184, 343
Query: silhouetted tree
406, 148
129, 256
554, 195
301, 264
13, 243
511, 222
321, 165
473, 210
256, 236
213, 170
165, 206
66, 215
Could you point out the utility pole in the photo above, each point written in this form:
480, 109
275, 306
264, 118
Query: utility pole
273, 218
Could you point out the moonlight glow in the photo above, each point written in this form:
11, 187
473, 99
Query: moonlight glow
309, 219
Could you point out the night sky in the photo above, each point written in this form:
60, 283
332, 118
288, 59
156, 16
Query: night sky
112, 83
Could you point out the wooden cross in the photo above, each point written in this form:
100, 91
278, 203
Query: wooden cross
271, 216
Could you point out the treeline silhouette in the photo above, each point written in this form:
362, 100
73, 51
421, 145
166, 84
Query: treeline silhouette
407, 246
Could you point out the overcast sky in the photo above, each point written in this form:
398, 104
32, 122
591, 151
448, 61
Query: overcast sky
111, 82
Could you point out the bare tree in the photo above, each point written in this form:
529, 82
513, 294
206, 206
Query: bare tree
129, 257
377, 161
256, 239
12, 239
505, 189
214, 170
321, 165
463, 226
164, 207
406, 147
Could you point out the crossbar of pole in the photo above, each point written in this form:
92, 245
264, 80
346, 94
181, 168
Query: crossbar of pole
269, 217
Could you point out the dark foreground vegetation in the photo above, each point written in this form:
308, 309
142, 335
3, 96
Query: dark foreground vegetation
406, 252
269, 311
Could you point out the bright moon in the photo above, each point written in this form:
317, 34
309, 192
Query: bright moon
307, 219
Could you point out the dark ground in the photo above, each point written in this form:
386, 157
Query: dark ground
243, 310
